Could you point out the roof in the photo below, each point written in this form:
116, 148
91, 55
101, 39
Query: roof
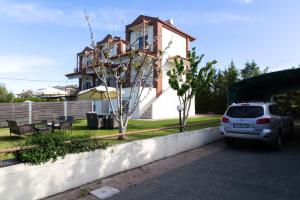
166, 24
86, 49
262, 87
109, 36
74, 74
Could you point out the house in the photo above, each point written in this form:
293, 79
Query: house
71, 90
159, 100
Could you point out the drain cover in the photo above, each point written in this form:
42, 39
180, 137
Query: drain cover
104, 192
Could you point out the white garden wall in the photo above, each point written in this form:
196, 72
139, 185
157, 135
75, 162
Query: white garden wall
24, 181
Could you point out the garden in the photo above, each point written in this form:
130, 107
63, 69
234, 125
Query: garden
138, 129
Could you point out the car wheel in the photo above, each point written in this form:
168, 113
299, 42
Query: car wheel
278, 143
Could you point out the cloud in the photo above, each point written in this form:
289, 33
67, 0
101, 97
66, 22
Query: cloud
35, 13
244, 1
195, 18
223, 17
104, 18
247, 1
23, 63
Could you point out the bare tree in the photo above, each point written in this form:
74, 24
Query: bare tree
136, 69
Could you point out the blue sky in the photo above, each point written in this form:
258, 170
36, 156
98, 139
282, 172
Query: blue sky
39, 39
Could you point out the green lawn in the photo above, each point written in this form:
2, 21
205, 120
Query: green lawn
80, 130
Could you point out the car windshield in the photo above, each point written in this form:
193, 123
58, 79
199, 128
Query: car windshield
245, 111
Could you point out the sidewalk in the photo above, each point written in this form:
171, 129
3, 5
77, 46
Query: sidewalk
130, 178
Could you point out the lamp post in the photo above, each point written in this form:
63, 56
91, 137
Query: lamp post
180, 108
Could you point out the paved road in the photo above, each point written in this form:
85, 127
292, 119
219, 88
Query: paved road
248, 171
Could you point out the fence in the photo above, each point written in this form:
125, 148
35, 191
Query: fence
33, 112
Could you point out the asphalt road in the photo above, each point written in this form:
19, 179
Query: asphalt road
245, 171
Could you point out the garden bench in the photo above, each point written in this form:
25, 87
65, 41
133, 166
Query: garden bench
20, 130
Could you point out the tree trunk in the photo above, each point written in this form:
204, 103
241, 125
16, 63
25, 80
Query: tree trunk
121, 132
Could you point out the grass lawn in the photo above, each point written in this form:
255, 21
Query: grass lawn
80, 130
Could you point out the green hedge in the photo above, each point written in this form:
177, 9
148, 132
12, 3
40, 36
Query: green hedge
51, 146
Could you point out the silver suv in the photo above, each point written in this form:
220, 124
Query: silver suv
257, 121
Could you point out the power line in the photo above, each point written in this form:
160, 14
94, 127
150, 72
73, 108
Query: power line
33, 80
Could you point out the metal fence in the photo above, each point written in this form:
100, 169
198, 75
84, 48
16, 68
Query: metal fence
33, 112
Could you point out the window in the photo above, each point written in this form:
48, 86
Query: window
89, 62
141, 41
125, 106
245, 111
111, 82
98, 82
87, 85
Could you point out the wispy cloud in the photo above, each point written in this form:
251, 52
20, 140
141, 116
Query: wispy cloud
23, 63
244, 1
35, 13
247, 1
102, 18
224, 17
207, 18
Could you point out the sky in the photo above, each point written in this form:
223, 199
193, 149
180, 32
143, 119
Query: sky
39, 40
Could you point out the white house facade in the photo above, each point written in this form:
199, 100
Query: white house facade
158, 100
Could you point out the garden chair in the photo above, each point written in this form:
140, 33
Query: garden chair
64, 123
20, 130
95, 121
112, 122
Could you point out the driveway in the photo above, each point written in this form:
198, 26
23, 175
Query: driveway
245, 171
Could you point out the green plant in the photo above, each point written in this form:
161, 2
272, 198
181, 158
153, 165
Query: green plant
187, 80
52, 146
5, 96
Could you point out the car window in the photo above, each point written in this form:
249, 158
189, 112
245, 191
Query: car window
245, 111
274, 110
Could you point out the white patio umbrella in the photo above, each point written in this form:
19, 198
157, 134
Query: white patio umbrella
98, 93
49, 92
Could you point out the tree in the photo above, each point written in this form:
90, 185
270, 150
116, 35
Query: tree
252, 69
215, 99
187, 80
5, 96
25, 94
231, 74
138, 68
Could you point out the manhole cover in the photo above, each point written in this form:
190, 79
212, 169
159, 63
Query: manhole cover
104, 192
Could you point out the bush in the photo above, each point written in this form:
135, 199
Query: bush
52, 146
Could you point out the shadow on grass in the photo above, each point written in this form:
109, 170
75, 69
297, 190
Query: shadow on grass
11, 138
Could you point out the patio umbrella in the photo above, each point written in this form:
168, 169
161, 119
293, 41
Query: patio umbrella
49, 92
97, 93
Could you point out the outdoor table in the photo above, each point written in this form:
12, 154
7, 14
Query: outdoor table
52, 125
43, 130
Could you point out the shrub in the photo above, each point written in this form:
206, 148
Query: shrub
51, 146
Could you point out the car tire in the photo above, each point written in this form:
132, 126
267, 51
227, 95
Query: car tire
277, 144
